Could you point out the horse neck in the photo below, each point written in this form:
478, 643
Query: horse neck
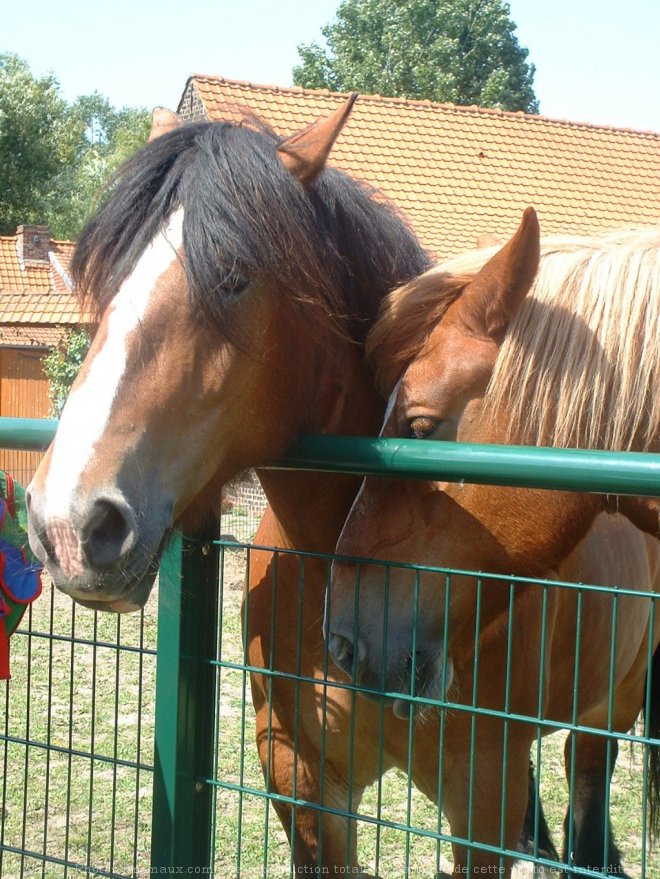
310, 508
530, 531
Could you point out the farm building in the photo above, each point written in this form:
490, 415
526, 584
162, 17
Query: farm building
37, 306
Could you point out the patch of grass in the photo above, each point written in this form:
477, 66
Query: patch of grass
77, 741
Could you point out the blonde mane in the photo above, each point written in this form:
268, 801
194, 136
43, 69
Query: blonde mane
407, 317
580, 364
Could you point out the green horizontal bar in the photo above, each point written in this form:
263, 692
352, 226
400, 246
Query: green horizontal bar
91, 642
439, 569
90, 756
634, 473
377, 821
26, 853
441, 704
27, 434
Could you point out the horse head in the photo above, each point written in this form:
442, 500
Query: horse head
495, 353
218, 268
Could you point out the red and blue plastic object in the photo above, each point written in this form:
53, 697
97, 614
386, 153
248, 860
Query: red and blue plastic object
20, 572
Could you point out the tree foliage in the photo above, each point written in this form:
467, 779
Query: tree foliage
457, 51
62, 365
36, 144
55, 156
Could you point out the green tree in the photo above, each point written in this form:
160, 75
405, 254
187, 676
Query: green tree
55, 156
457, 51
62, 365
110, 137
37, 143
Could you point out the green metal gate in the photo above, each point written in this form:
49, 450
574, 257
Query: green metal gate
127, 744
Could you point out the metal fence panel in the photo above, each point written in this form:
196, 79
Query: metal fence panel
76, 743
79, 732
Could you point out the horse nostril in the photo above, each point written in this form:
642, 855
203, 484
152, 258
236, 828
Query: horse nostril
342, 651
419, 663
108, 533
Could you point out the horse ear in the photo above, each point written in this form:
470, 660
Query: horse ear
162, 121
492, 298
304, 154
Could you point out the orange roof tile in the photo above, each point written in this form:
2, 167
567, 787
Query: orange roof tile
39, 307
460, 173
34, 294
28, 335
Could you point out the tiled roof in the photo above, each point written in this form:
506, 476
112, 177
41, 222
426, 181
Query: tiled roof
39, 307
462, 173
29, 335
35, 294
44, 276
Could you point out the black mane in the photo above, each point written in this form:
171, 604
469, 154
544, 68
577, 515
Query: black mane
245, 217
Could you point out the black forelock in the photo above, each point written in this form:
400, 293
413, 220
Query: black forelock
247, 218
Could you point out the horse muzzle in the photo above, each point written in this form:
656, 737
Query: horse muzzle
96, 552
133, 600
385, 644
420, 676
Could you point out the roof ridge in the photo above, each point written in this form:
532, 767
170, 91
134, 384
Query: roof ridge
61, 271
52, 240
471, 109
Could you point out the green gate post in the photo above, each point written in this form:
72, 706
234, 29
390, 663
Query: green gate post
181, 834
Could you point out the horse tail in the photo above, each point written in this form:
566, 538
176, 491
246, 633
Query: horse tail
651, 712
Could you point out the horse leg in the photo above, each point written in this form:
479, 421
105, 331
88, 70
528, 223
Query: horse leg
476, 790
536, 837
303, 729
588, 836
322, 842
591, 763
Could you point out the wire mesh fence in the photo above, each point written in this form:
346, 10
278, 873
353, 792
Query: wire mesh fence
397, 825
243, 505
76, 743
258, 757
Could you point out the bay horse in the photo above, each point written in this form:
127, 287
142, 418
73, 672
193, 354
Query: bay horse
235, 278
561, 352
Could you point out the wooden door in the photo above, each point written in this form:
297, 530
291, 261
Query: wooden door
23, 394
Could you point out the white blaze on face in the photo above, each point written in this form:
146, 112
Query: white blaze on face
87, 410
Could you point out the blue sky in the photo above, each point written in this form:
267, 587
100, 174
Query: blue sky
597, 61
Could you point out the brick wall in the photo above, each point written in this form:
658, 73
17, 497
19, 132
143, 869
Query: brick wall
243, 505
191, 108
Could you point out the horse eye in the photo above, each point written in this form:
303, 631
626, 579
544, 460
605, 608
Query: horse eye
238, 289
422, 426
234, 284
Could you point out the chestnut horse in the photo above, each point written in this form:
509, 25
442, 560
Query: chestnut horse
468, 353
235, 278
